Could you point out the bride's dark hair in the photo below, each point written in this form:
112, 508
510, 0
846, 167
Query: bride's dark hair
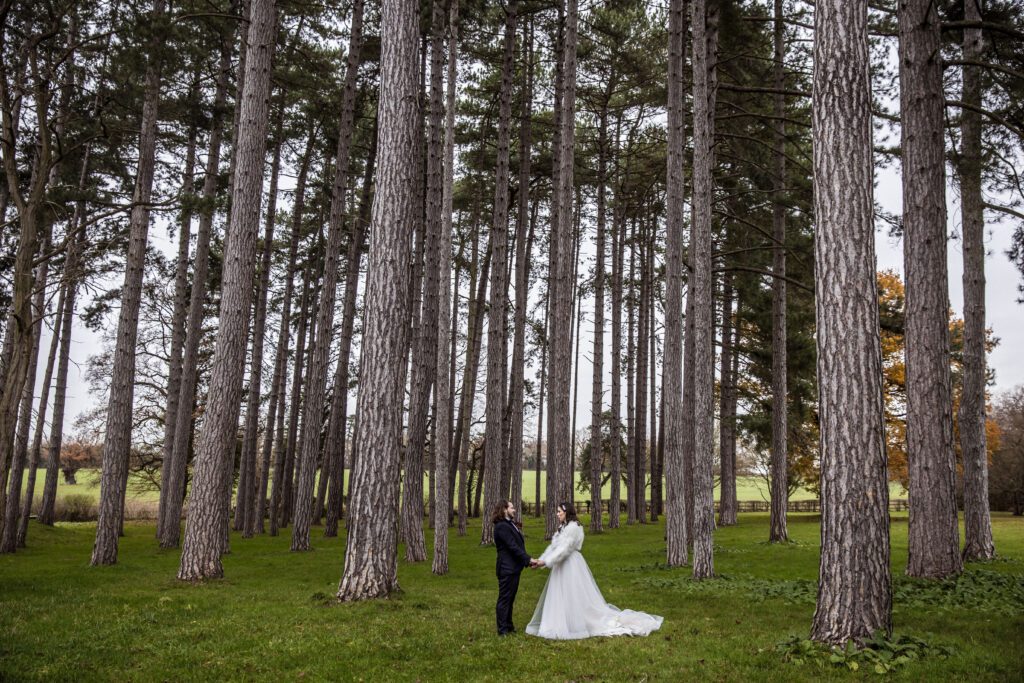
570, 512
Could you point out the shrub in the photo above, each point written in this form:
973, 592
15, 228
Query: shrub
75, 508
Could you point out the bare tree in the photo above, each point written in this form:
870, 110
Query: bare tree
854, 587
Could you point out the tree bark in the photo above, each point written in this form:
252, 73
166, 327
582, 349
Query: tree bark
201, 551
170, 515
497, 317
676, 536
275, 411
618, 254
596, 414
777, 532
424, 371
854, 588
726, 410
371, 561
56, 342
284, 454
639, 488
443, 418
933, 548
705, 48
630, 382
179, 313
247, 481
12, 505
978, 543
337, 441
312, 422
117, 442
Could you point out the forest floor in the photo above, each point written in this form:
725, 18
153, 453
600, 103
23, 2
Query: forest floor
273, 616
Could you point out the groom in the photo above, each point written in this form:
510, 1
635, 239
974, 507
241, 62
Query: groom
512, 560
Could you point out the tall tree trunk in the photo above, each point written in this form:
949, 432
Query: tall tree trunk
726, 407
705, 49
247, 480
615, 432
20, 328
179, 314
37, 437
854, 588
652, 361
312, 422
559, 456
497, 318
526, 220
117, 442
371, 561
933, 544
777, 532
275, 412
442, 413
977, 522
284, 455
672, 380
476, 312
630, 383
638, 490
170, 514
201, 551
596, 413
689, 454
540, 410
12, 505
424, 355
337, 442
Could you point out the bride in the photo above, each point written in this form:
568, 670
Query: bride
571, 605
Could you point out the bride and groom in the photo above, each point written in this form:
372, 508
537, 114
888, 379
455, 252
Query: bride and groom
571, 605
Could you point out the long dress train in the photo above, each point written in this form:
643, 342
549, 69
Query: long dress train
571, 605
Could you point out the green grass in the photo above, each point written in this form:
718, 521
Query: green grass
747, 488
272, 617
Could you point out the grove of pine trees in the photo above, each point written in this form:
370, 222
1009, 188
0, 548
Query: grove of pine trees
346, 260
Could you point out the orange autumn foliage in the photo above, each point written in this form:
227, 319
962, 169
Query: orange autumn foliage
891, 299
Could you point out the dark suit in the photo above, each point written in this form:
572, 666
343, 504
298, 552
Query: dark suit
512, 559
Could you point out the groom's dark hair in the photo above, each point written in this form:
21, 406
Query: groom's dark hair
498, 513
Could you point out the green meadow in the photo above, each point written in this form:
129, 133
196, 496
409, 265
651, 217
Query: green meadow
273, 616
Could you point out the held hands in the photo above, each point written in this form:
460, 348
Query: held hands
534, 564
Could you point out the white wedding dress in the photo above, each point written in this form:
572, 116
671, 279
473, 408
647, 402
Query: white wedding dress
571, 605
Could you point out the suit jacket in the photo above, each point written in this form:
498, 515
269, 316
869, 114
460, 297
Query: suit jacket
511, 547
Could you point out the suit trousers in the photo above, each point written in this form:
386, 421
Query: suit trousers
508, 586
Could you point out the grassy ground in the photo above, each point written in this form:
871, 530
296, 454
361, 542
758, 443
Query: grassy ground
747, 488
272, 617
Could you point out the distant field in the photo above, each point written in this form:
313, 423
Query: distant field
748, 488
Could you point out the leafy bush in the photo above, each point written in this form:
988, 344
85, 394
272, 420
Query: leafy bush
75, 507
978, 589
880, 653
